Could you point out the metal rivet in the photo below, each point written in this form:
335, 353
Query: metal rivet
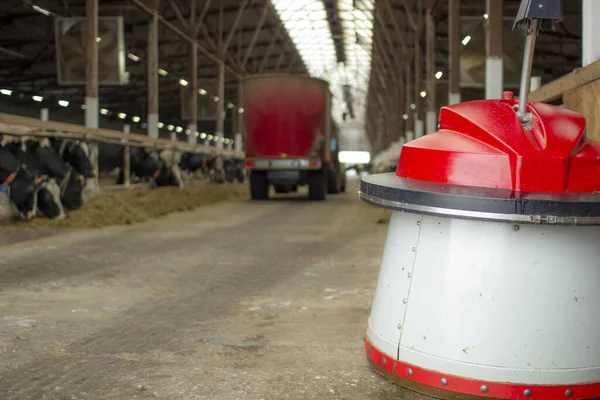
409, 274
527, 393
414, 249
418, 222
444, 381
369, 350
568, 393
383, 360
399, 326
404, 300
409, 372
516, 228
484, 389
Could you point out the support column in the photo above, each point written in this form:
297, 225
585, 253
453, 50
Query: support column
91, 86
152, 114
409, 133
193, 94
494, 63
536, 83
126, 159
239, 134
590, 32
419, 125
454, 39
431, 118
44, 114
221, 105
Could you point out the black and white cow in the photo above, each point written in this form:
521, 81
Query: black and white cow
43, 161
75, 153
152, 165
26, 192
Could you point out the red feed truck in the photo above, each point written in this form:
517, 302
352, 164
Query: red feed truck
290, 138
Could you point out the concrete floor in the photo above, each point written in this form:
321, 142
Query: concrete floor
241, 300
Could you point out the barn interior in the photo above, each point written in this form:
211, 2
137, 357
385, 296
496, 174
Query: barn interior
143, 265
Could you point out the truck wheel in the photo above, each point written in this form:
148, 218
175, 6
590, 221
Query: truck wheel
334, 184
317, 185
259, 185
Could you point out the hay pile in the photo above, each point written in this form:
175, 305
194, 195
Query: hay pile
126, 208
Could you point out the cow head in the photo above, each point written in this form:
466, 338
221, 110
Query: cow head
76, 154
47, 159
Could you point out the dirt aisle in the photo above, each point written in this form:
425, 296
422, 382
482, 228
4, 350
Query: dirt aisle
240, 300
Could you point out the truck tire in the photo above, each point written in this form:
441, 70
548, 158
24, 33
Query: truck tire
259, 185
317, 185
334, 184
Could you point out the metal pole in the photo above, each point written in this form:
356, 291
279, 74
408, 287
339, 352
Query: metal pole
526, 72
193, 94
152, 118
494, 65
431, 118
454, 52
240, 117
91, 86
44, 114
126, 159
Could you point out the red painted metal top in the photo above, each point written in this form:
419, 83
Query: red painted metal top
483, 144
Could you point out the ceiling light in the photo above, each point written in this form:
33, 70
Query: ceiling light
37, 98
162, 72
98, 39
439, 74
41, 10
183, 82
6, 92
216, 99
178, 129
188, 131
203, 135
170, 127
160, 125
215, 138
63, 103
485, 16
103, 111
135, 119
423, 94
240, 110
405, 116
466, 40
209, 137
122, 115
133, 57
226, 141
196, 134
201, 92
230, 106
83, 107
413, 106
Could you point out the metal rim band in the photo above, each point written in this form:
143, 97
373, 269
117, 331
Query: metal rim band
389, 191
448, 386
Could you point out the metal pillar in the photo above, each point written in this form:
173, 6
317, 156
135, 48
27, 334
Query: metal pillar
91, 86
152, 118
494, 65
419, 126
239, 134
126, 159
431, 118
409, 133
220, 105
590, 32
193, 94
44, 114
454, 39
